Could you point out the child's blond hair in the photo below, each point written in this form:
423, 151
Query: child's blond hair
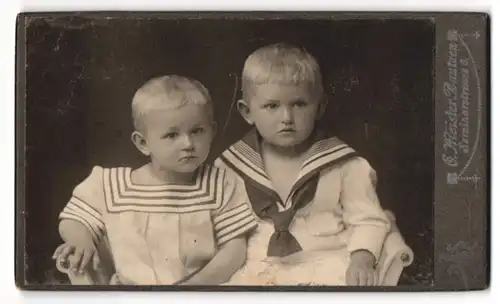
281, 64
168, 92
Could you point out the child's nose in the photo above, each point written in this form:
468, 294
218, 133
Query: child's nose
187, 142
287, 116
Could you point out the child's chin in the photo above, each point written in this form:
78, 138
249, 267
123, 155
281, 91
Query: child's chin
286, 143
188, 168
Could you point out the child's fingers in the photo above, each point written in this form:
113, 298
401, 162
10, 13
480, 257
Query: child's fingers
375, 278
86, 257
362, 278
58, 251
65, 251
76, 258
369, 279
351, 278
96, 260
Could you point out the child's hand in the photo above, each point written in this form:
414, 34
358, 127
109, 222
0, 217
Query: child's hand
81, 254
361, 270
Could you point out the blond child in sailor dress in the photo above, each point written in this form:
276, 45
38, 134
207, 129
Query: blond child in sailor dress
320, 222
172, 221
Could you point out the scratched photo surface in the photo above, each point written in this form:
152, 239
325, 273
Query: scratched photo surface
81, 75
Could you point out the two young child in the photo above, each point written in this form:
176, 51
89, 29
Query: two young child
285, 205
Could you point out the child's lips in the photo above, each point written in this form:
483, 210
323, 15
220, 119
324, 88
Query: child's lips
287, 131
187, 158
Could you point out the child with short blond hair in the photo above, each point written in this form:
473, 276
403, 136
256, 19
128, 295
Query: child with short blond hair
174, 220
320, 221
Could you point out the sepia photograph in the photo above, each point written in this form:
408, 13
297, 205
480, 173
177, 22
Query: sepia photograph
219, 151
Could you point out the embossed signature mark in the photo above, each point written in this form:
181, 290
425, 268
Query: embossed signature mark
458, 256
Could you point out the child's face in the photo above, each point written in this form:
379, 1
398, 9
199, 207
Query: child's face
178, 139
284, 115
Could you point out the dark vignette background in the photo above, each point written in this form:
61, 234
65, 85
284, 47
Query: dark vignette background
81, 75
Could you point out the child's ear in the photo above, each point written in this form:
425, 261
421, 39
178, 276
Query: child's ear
322, 107
140, 142
244, 110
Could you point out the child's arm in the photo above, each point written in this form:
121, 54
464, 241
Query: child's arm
368, 221
362, 209
71, 230
78, 242
230, 257
81, 226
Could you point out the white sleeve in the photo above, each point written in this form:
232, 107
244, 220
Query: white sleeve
362, 209
87, 204
235, 217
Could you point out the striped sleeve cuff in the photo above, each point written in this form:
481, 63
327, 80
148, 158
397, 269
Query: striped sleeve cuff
233, 223
78, 210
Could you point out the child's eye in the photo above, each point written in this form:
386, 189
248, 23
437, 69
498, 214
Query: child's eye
300, 104
271, 106
198, 130
170, 135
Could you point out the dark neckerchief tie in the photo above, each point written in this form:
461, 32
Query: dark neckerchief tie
282, 242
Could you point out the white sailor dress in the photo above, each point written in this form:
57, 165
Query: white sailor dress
160, 235
331, 211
